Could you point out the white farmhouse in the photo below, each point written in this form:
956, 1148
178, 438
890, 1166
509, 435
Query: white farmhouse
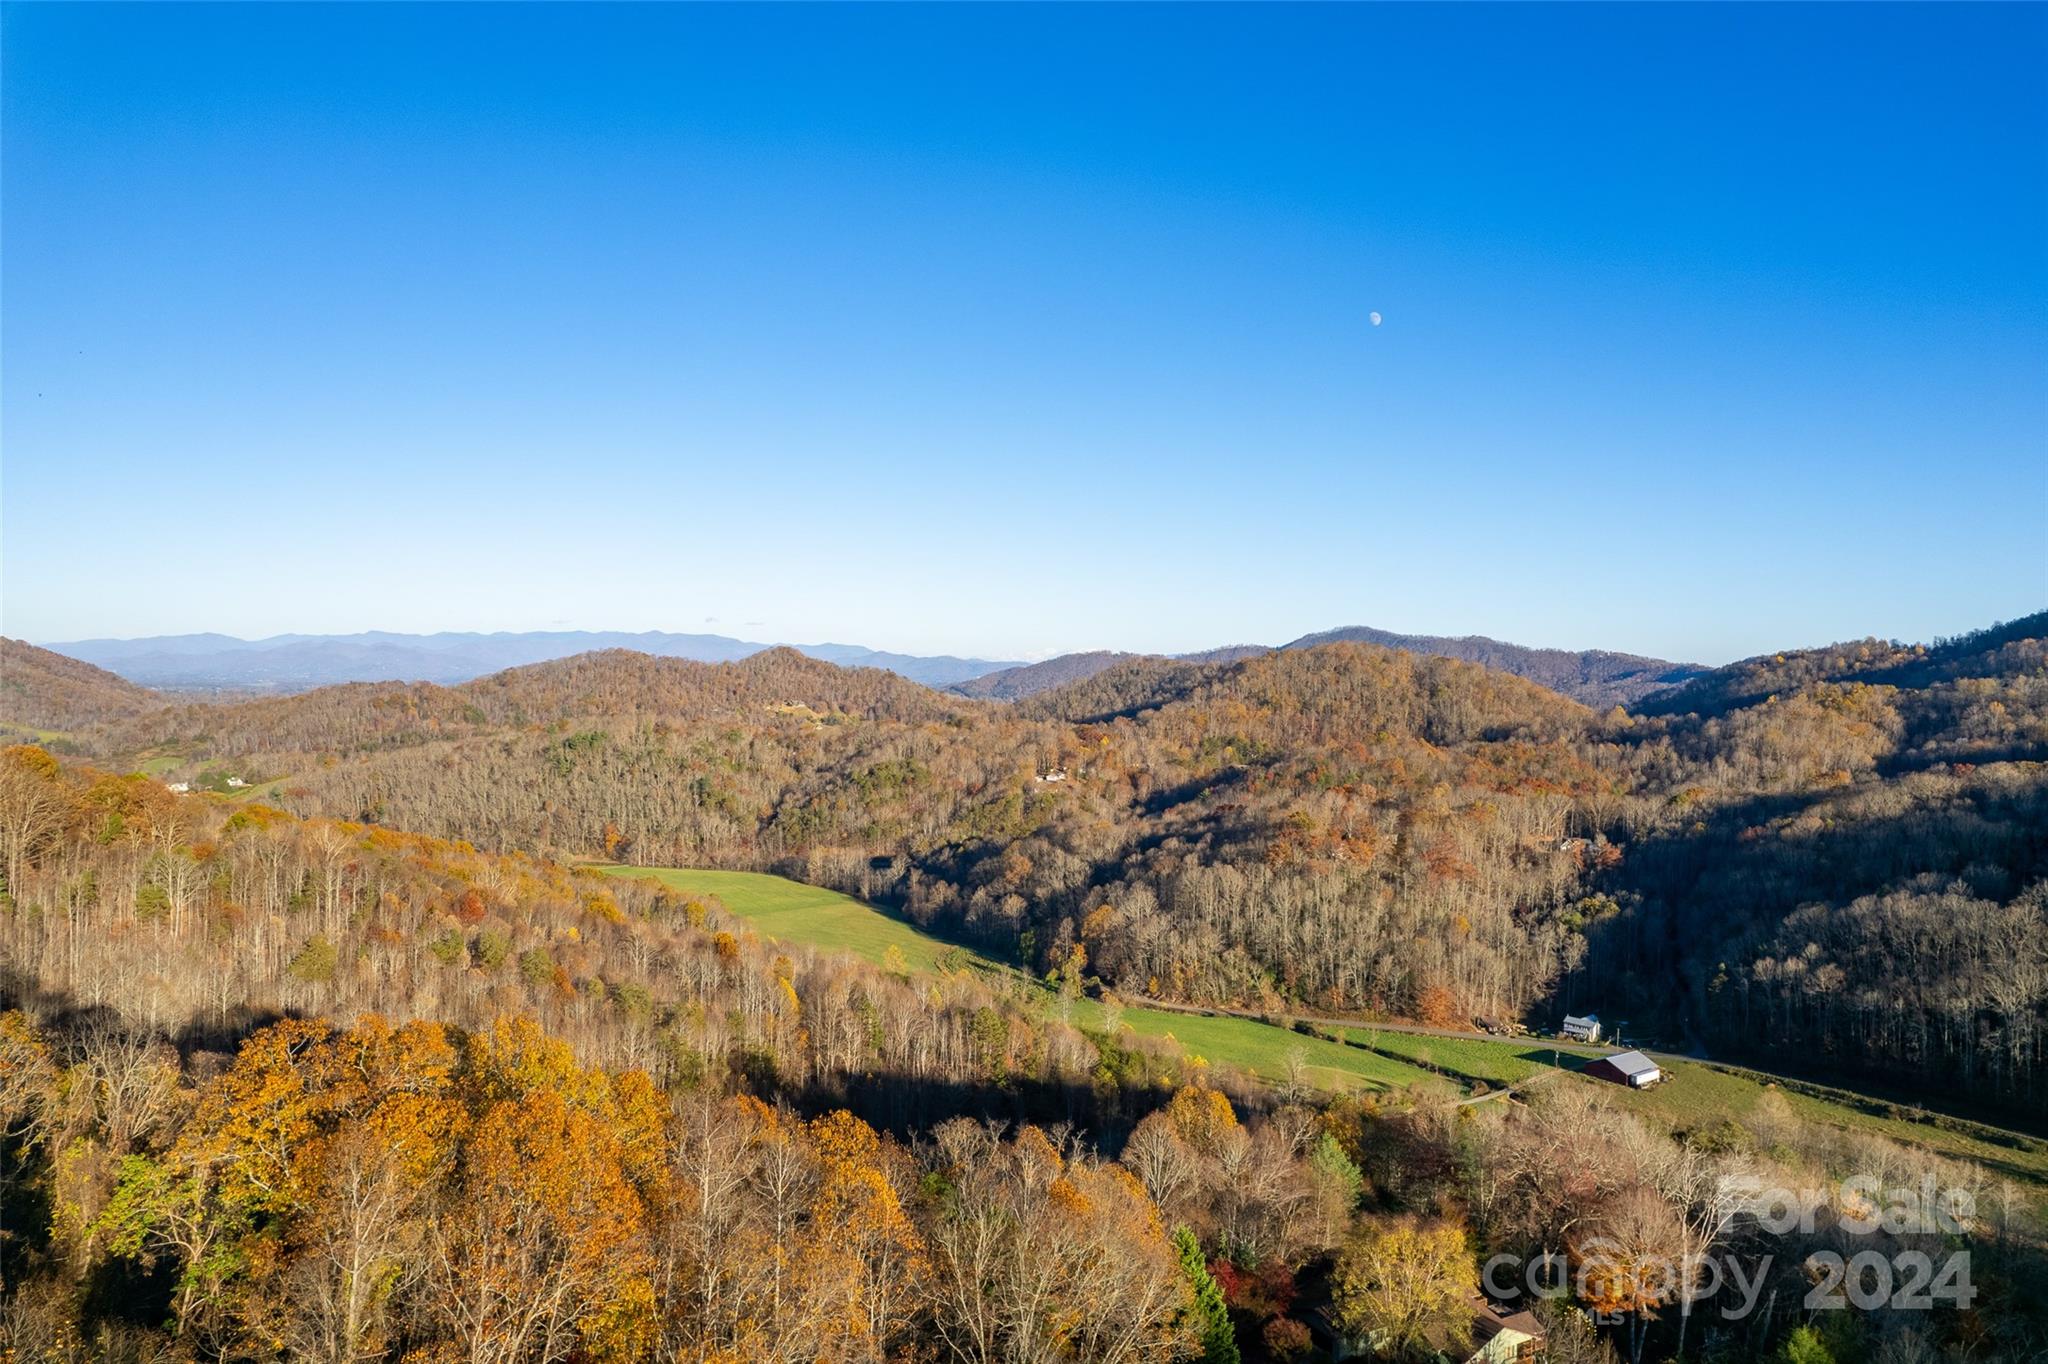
1582, 1028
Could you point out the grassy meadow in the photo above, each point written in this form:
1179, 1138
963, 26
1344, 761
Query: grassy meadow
790, 911
1267, 1051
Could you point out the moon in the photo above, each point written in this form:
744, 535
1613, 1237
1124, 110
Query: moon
1375, 318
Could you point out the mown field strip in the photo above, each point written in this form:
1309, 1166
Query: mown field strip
791, 911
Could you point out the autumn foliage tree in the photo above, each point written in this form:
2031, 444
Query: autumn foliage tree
1631, 1259
378, 1193
1407, 1285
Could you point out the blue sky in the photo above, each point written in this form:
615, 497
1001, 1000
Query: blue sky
1009, 331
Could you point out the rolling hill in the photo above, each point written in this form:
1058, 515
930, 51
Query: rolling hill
1340, 827
1031, 679
41, 690
1014, 684
1593, 677
2006, 648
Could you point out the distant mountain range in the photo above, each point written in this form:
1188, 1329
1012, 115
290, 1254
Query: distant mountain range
1029, 679
293, 663
1593, 677
289, 663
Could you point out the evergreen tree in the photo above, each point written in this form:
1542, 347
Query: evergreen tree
1211, 1313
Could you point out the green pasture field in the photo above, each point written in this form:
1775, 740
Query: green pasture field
790, 911
1264, 1050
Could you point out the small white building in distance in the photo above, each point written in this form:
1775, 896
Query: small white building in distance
1582, 1029
181, 787
237, 783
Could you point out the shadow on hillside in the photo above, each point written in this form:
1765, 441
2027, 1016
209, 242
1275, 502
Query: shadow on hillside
1556, 1058
901, 1104
1701, 898
907, 1107
1171, 797
70, 1020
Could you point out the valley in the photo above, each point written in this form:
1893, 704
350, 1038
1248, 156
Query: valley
1212, 932
1301, 684
1343, 829
790, 912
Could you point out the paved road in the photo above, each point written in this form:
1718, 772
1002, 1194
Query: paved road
1373, 1025
1544, 1043
1370, 1025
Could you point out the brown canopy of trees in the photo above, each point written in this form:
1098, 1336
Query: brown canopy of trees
514, 1112
40, 690
377, 1192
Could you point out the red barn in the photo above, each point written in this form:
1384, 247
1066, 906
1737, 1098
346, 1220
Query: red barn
1630, 1068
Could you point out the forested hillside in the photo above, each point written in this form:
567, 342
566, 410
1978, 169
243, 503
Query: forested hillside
1828, 859
2011, 648
197, 918
1848, 863
40, 690
454, 1180
1594, 677
1036, 679
289, 1089
1010, 827
1014, 684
